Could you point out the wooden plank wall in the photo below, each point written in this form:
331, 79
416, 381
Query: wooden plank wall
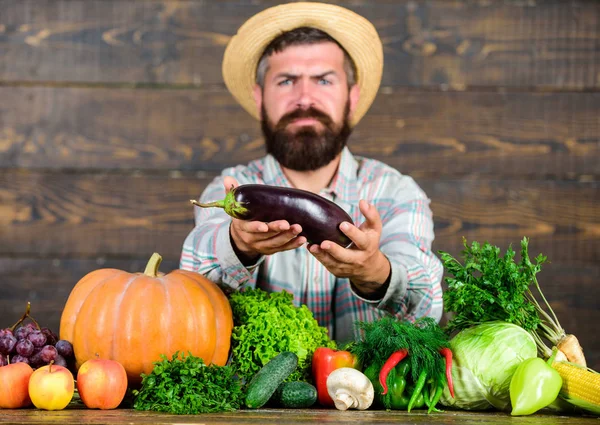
113, 114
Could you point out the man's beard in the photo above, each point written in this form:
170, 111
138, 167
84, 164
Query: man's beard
307, 148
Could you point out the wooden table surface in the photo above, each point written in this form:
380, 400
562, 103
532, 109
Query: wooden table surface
280, 416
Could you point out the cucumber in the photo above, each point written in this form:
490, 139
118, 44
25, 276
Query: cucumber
294, 395
264, 384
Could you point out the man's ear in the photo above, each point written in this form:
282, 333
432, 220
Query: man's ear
257, 93
353, 97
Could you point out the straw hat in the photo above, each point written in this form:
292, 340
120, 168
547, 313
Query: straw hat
355, 33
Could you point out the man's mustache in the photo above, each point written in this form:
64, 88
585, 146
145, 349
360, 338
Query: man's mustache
304, 113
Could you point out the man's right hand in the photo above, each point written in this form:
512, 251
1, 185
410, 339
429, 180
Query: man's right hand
251, 239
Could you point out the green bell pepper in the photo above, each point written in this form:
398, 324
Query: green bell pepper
397, 399
372, 372
398, 395
402, 391
534, 385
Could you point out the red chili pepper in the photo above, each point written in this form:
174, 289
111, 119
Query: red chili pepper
448, 355
390, 363
324, 361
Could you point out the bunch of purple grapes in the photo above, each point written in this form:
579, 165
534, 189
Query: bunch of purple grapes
36, 347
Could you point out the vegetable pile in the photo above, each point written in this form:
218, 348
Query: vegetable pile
488, 292
503, 348
489, 287
266, 324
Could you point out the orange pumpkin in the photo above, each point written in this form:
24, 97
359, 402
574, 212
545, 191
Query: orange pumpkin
133, 318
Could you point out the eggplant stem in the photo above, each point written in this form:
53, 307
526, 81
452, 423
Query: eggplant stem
232, 207
220, 203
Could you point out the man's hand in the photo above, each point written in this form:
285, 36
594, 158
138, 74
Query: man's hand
254, 238
363, 263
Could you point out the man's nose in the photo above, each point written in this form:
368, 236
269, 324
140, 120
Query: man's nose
304, 94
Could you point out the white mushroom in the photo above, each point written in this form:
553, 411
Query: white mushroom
350, 389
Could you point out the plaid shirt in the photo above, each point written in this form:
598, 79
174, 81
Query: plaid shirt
406, 240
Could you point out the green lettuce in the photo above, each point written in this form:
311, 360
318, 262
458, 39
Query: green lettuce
265, 324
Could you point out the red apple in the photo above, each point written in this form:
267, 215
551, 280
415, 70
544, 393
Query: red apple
51, 387
101, 383
14, 385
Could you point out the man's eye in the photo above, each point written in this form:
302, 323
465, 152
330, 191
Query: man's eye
285, 82
324, 81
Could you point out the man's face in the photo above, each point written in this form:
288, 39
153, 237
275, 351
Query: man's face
306, 105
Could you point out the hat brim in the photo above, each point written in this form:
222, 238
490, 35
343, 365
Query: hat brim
355, 33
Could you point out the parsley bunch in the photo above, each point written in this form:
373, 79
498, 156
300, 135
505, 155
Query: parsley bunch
186, 385
489, 287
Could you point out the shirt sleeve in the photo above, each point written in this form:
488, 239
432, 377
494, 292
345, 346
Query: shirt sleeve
416, 272
207, 248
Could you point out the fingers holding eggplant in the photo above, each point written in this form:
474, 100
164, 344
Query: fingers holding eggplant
267, 230
254, 238
230, 183
269, 219
279, 241
362, 262
359, 238
332, 264
368, 271
372, 218
341, 262
254, 227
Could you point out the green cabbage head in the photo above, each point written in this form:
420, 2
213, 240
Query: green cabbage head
484, 360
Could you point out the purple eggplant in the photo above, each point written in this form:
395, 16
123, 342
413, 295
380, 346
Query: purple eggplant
319, 217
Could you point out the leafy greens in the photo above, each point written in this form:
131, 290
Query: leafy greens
423, 339
186, 385
489, 287
267, 324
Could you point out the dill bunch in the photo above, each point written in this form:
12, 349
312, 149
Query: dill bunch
423, 339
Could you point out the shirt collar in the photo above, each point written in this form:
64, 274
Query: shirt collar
343, 185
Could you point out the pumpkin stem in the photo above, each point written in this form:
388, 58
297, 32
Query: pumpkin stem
152, 266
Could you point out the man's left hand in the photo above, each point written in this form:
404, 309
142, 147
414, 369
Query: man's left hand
363, 263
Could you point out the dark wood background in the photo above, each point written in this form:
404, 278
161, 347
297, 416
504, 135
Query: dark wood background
113, 114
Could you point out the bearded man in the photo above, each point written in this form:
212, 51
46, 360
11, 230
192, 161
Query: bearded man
309, 72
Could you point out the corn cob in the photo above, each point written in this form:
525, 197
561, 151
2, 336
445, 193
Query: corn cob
581, 386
